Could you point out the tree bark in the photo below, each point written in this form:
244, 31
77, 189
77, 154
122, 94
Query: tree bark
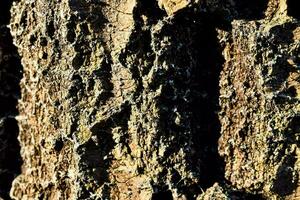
10, 75
168, 99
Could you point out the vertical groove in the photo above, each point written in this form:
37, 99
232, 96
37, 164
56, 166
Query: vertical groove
10, 75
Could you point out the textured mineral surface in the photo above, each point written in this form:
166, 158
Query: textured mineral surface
150, 99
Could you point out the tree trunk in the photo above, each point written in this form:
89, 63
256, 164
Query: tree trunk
167, 99
10, 75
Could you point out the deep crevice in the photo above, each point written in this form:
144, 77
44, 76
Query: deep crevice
293, 8
191, 89
284, 183
10, 75
207, 127
251, 9
162, 195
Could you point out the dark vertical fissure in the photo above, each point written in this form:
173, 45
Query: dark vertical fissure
191, 88
205, 104
10, 75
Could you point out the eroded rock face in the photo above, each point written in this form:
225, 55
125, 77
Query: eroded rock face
138, 99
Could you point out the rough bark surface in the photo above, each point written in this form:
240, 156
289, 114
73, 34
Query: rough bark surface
10, 75
136, 99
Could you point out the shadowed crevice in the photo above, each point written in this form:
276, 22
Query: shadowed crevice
95, 155
165, 195
250, 9
205, 104
10, 76
189, 100
293, 8
284, 183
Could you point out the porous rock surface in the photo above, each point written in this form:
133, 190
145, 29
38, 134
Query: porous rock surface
168, 99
